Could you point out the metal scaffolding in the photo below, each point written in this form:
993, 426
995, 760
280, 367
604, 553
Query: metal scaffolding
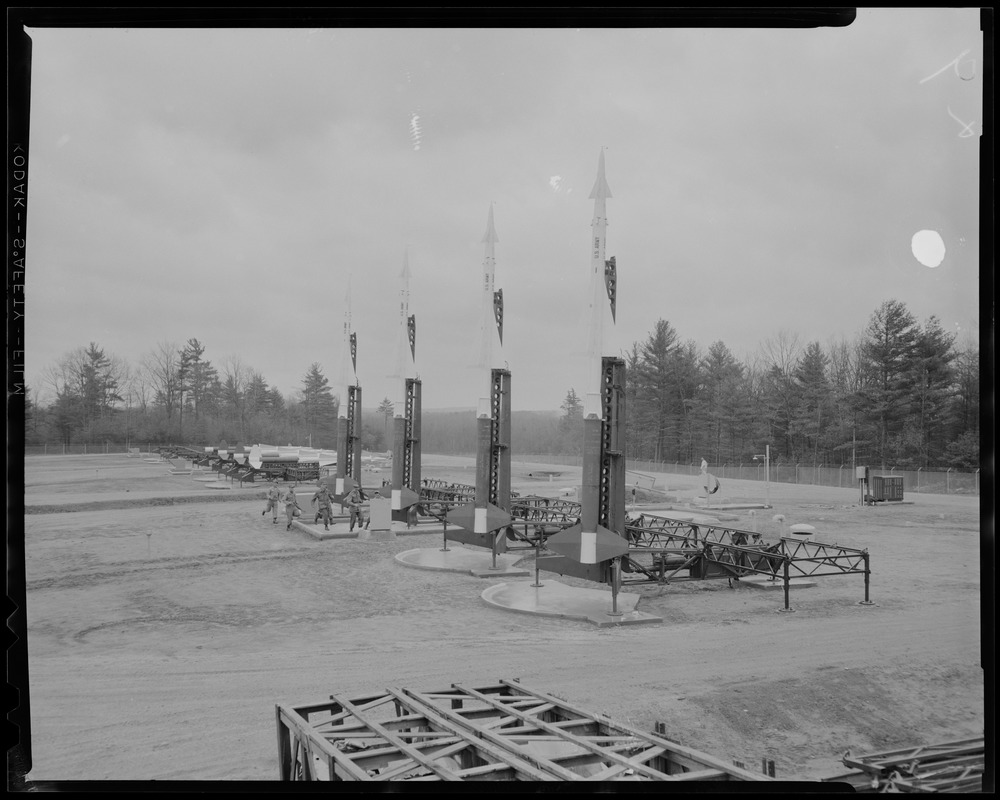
504, 731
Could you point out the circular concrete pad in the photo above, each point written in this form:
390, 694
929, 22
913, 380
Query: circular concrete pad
554, 599
477, 561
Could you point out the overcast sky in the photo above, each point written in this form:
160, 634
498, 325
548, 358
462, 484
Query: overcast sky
225, 184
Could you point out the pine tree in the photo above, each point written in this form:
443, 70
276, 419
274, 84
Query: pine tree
656, 391
571, 424
933, 379
386, 410
966, 400
200, 378
813, 411
888, 350
718, 403
318, 408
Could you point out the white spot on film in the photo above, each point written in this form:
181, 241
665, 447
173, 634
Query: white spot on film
928, 248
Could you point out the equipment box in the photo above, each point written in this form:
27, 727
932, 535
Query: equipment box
887, 487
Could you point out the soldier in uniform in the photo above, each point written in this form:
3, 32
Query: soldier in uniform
322, 496
368, 513
354, 506
273, 496
292, 509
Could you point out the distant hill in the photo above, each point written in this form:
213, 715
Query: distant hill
453, 431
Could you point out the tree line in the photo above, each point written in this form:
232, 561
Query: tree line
899, 393
175, 394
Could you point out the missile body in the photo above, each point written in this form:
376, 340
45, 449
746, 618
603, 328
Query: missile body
343, 382
484, 415
599, 307
404, 361
589, 542
592, 408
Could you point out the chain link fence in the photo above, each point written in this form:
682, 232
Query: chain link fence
925, 481
108, 448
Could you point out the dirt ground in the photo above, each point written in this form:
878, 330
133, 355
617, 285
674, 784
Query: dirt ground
161, 634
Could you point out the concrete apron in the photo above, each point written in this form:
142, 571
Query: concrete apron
476, 561
554, 599
340, 528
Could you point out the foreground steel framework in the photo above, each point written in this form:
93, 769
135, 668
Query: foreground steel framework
504, 731
954, 766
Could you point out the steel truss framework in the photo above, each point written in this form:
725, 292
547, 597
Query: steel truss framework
956, 766
352, 445
499, 477
411, 440
611, 504
550, 514
660, 548
504, 731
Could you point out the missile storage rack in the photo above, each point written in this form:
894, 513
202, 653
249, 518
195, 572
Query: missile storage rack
499, 732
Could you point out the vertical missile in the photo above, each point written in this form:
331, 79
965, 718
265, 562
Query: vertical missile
404, 358
480, 517
589, 542
598, 299
592, 407
344, 380
487, 321
484, 415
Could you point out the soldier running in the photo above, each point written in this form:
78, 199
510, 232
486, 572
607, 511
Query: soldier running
368, 513
273, 496
291, 507
322, 495
353, 504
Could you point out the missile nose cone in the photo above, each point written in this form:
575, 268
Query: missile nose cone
490, 237
601, 189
